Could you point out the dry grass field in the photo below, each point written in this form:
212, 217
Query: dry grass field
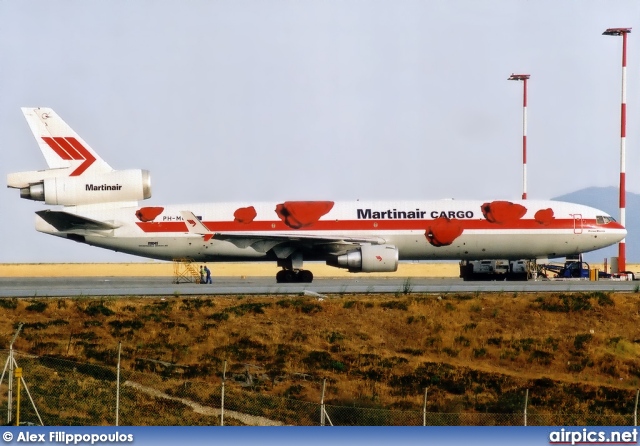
576, 353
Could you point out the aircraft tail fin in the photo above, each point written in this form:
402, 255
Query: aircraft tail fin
76, 174
60, 145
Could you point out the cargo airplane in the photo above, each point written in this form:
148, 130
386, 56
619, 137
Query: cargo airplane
99, 206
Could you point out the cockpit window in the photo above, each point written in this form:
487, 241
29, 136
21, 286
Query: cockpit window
604, 219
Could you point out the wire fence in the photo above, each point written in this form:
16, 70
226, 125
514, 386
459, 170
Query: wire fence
62, 392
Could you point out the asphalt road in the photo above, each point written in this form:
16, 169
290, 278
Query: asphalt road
163, 286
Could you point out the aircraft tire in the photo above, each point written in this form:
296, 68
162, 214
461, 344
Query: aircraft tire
284, 276
305, 276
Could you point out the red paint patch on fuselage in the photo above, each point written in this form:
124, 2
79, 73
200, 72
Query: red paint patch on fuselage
443, 231
300, 214
148, 213
245, 215
544, 216
503, 212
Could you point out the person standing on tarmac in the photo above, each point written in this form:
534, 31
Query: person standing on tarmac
202, 274
208, 273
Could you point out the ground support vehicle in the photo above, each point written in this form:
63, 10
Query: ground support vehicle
501, 269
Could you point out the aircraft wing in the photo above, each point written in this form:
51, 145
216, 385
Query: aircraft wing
262, 242
66, 222
283, 243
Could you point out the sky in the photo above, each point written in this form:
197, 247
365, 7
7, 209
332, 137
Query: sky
253, 100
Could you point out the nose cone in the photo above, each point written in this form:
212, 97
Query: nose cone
616, 226
615, 232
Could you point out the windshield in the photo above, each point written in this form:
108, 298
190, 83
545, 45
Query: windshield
604, 219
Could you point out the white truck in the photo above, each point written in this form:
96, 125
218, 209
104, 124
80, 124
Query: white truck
495, 269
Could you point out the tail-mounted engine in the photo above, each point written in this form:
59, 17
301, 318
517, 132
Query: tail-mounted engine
368, 259
115, 186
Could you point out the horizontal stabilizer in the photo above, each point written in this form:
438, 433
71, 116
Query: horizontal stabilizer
65, 222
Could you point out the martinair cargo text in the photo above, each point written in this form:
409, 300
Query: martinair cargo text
100, 207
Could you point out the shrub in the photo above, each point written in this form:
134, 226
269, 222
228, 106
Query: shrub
219, 317
479, 352
462, 296
335, 337
565, 303
412, 351
541, 357
604, 299
581, 339
416, 319
395, 305
241, 310
301, 305
294, 391
98, 308
92, 323
134, 324
38, 306
318, 360
9, 304
406, 286
451, 352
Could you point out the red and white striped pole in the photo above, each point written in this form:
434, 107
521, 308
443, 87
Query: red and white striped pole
622, 262
524, 78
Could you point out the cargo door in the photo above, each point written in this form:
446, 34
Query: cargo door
577, 223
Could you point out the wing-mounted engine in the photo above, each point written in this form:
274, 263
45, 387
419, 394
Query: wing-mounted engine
368, 259
109, 187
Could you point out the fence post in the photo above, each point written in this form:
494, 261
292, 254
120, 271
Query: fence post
635, 412
10, 382
224, 378
526, 401
10, 378
424, 407
322, 421
118, 386
18, 375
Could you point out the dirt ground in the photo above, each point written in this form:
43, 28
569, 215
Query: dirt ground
147, 269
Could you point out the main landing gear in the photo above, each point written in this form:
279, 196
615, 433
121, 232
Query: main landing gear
294, 276
292, 271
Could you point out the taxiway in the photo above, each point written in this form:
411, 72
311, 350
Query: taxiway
163, 286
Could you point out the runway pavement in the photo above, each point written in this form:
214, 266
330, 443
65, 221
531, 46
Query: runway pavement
163, 286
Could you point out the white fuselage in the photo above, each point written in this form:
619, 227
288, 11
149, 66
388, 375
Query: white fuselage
421, 230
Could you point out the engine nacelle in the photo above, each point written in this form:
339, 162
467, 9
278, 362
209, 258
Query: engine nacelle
369, 259
119, 185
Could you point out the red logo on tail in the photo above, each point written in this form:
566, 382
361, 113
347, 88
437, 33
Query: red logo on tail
191, 222
69, 148
379, 258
